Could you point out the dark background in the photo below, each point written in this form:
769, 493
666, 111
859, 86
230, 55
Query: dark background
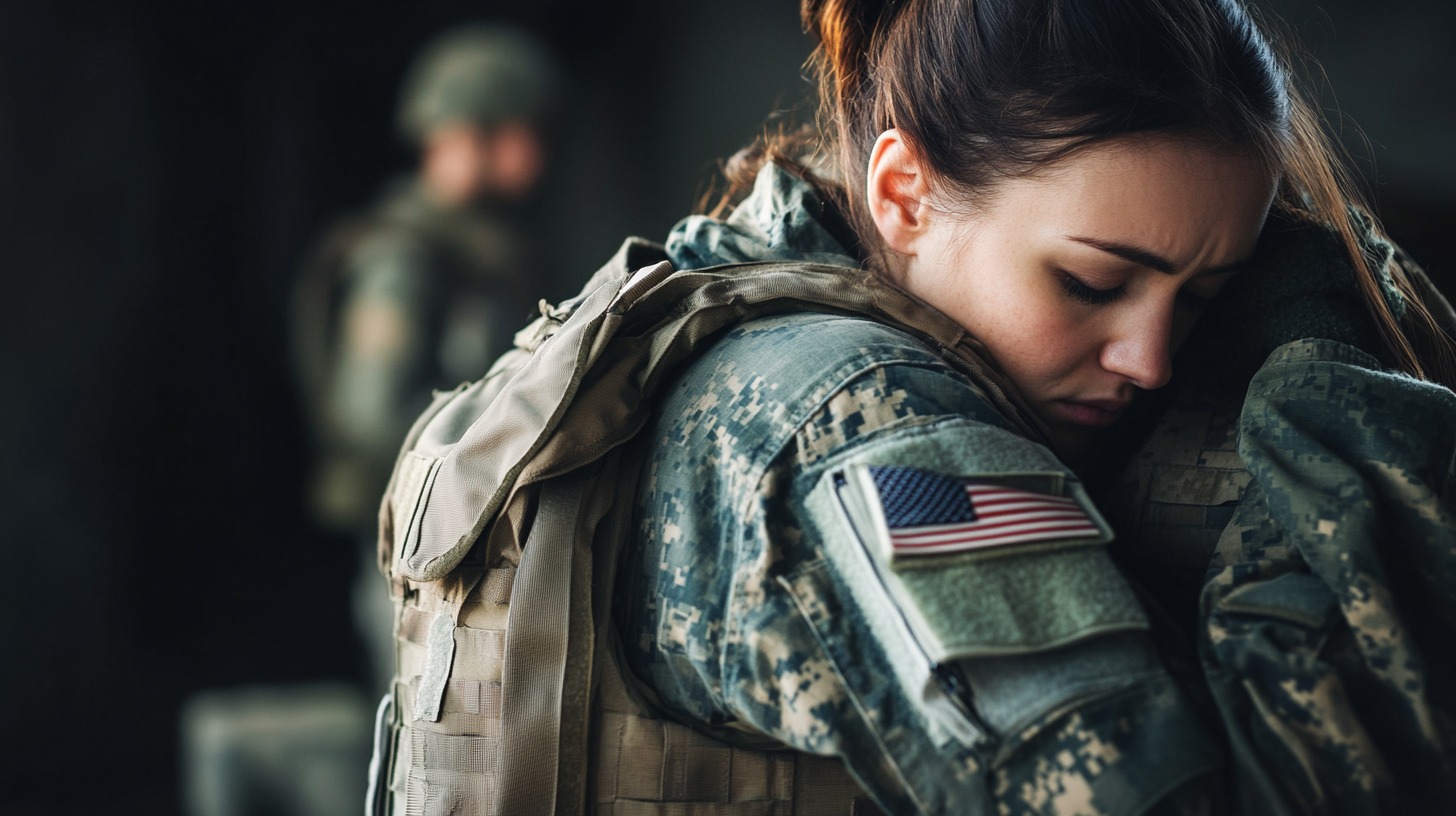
162, 168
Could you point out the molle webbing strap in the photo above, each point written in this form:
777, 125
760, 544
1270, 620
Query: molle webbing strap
654, 760
440, 645
647, 766
446, 753
477, 699
478, 644
652, 767
822, 787
547, 697
455, 775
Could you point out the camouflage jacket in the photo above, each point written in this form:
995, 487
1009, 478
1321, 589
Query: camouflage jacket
1331, 601
761, 599
1030, 678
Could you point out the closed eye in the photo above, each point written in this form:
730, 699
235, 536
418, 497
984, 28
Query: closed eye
1089, 295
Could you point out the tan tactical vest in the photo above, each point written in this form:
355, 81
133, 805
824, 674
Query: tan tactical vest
500, 534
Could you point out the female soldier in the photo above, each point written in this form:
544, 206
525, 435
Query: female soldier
826, 552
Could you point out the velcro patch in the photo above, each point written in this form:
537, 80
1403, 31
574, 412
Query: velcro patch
997, 587
926, 513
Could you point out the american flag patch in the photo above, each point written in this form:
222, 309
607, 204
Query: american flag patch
932, 514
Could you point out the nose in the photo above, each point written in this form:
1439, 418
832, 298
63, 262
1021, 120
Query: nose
1140, 348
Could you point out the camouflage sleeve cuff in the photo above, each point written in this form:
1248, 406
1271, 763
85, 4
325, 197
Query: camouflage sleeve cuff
1314, 350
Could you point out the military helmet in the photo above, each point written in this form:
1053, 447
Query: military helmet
481, 74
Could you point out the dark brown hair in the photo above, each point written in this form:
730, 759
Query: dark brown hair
990, 89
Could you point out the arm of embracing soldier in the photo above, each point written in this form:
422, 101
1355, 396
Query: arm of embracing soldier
1330, 603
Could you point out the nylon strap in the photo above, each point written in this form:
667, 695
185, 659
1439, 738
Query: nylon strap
376, 797
553, 587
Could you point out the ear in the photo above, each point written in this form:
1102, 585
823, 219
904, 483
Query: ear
897, 191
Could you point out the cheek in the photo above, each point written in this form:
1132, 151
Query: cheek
1030, 308
1039, 342
1033, 333
1038, 350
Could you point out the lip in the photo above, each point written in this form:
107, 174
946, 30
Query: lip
1094, 412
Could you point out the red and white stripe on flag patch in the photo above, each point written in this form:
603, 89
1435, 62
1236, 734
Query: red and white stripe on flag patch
933, 514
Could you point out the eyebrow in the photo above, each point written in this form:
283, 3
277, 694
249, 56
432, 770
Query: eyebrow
1152, 260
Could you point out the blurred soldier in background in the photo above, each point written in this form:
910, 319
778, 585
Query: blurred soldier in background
421, 291
426, 288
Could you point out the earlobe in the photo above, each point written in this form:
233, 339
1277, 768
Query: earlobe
897, 192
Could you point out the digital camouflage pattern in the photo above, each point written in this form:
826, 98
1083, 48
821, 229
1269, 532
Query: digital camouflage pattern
1327, 599
752, 610
1326, 604
1171, 502
1329, 614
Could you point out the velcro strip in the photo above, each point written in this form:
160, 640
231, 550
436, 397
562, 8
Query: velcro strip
430, 751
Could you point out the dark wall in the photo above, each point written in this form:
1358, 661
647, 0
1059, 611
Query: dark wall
1380, 72
162, 168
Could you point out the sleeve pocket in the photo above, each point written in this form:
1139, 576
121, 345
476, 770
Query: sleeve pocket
1019, 633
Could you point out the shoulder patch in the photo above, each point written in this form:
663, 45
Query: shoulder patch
920, 513
994, 586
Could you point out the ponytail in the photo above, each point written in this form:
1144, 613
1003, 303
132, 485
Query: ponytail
850, 36
845, 31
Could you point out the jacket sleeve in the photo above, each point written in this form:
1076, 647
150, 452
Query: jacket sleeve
1329, 612
1018, 678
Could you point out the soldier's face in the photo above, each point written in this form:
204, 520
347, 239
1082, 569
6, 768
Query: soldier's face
1083, 280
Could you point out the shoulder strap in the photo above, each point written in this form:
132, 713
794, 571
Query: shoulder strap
547, 682
657, 317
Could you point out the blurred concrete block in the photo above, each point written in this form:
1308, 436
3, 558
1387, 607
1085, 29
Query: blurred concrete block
277, 750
